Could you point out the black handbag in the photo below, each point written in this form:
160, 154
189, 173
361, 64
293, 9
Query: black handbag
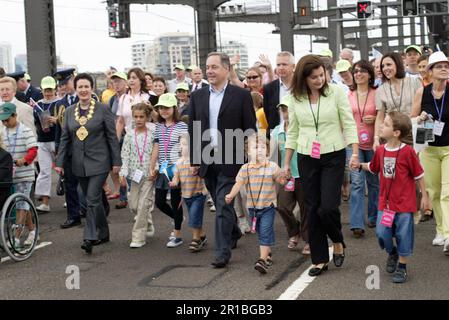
60, 191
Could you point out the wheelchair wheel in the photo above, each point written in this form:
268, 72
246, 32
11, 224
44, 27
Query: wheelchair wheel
18, 219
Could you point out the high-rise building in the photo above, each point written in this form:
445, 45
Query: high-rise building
6, 57
235, 48
21, 62
140, 52
169, 50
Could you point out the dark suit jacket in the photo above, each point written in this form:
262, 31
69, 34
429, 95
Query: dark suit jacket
270, 101
32, 92
236, 112
202, 86
98, 152
6, 164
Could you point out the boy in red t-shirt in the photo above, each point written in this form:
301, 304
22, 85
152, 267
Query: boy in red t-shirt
400, 170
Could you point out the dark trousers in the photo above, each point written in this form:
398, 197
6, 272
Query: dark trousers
226, 227
71, 193
287, 201
322, 180
175, 211
96, 223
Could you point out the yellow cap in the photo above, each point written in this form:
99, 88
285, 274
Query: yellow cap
343, 65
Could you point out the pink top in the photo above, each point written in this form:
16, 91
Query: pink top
365, 131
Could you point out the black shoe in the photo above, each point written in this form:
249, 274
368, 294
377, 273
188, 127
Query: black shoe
358, 233
87, 246
101, 241
82, 214
70, 223
234, 242
392, 262
219, 263
317, 271
339, 259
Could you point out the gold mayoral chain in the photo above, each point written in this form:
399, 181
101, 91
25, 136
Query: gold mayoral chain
82, 132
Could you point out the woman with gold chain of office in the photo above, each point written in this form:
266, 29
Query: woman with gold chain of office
88, 132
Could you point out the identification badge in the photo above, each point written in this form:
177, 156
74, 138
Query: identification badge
163, 167
316, 150
363, 136
438, 128
387, 218
290, 186
138, 174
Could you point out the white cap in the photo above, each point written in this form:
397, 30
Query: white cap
436, 57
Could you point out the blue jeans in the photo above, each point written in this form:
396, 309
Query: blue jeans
195, 207
402, 229
357, 201
264, 224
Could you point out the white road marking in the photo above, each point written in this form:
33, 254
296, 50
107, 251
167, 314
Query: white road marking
300, 284
40, 245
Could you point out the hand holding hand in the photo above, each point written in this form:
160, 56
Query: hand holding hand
228, 199
354, 162
59, 170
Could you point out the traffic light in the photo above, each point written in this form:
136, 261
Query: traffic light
119, 19
363, 9
410, 7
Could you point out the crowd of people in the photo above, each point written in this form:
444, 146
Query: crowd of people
314, 132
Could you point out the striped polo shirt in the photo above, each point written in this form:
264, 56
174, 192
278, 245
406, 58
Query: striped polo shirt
17, 141
169, 137
190, 185
259, 178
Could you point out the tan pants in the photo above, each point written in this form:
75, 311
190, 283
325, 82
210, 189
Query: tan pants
141, 204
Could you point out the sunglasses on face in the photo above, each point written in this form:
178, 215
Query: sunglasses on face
360, 71
252, 77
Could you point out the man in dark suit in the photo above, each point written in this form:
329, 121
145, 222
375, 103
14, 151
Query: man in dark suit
217, 113
25, 90
274, 91
197, 80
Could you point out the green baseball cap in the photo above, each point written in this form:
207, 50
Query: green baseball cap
343, 66
167, 100
180, 67
7, 110
413, 47
27, 77
326, 53
48, 83
191, 67
182, 86
120, 75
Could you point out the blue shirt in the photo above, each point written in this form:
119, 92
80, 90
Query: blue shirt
215, 100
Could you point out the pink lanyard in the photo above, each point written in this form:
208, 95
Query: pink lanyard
167, 142
141, 155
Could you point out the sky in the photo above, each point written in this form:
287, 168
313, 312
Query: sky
82, 31
82, 37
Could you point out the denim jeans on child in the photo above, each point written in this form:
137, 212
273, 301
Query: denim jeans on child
357, 201
402, 230
264, 225
195, 207
25, 188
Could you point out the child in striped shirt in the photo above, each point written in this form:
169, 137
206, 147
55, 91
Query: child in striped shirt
259, 176
20, 142
194, 193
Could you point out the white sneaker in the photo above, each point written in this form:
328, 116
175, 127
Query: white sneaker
439, 240
173, 243
150, 231
43, 208
136, 244
244, 225
446, 247
213, 209
172, 236
30, 239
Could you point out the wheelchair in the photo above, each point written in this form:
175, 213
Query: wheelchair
18, 213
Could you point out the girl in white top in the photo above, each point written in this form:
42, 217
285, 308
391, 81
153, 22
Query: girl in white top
136, 94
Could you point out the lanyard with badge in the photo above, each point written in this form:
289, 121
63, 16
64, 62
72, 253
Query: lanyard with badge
12, 147
254, 220
388, 215
166, 141
316, 146
363, 133
438, 124
138, 174
400, 99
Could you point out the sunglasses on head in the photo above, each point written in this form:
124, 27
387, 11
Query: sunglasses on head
252, 77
